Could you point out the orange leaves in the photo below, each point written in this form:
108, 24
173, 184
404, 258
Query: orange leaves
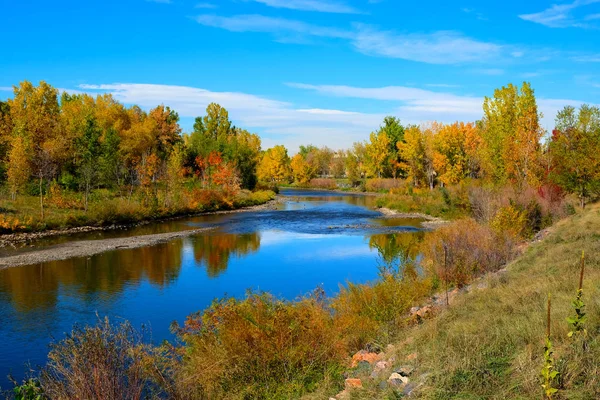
455, 152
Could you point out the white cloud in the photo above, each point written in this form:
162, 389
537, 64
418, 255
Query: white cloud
160, 1
442, 47
593, 58
562, 15
311, 5
6, 89
259, 23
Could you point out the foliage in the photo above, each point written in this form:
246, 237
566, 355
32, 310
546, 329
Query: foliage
99, 362
30, 389
259, 347
577, 321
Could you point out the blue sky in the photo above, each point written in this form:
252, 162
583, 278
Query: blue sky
308, 71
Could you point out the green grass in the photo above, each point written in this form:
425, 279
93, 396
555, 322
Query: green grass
489, 343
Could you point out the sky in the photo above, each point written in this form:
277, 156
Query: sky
324, 72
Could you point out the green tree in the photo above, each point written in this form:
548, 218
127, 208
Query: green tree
89, 149
575, 151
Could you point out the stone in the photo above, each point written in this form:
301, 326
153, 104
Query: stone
380, 365
397, 377
405, 370
353, 383
364, 355
408, 389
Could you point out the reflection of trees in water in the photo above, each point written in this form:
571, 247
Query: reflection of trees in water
37, 286
397, 251
214, 251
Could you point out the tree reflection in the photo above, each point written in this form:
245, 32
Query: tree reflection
397, 252
214, 251
37, 286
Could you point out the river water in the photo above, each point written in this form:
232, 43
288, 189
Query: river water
313, 238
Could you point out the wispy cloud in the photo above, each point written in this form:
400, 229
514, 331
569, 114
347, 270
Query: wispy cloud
488, 71
160, 1
442, 47
311, 5
418, 105
587, 58
477, 14
205, 5
280, 27
563, 15
6, 89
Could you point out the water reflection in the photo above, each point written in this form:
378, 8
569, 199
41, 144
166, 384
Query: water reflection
215, 250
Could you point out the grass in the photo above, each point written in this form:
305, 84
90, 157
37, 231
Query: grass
489, 343
107, 208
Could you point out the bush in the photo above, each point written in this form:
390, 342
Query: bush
464, 249
371, 314
323, 183
259, 347
380, 184
101, 362
512, 221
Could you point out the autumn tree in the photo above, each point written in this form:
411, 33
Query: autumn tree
575, 151
6, 128
395, 133
378, 153
18, 167
415, 152
355, 162
511, 135
301, 170
274, 165
455, 146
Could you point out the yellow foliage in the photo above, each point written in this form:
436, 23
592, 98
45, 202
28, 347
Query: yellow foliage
511, 221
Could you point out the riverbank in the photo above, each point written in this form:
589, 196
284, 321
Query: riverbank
87, 248
428, 223
269, 201
489, 343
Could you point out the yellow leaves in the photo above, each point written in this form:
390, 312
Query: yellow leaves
274, 165
18, 166
302, 171
455, 152
11, 224
378, 153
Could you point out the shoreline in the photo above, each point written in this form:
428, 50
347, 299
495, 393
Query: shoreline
87, 248
429, 223
12, 239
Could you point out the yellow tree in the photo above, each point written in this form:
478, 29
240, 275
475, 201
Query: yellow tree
454, 152
18, 166
378, 153
274, 165
302, 171
511, 135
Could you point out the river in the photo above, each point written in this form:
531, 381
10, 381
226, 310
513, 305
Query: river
313, 238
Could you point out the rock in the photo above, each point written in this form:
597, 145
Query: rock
364, 355
405, 370
414, 310
408, 389
411, 357
397, 380
353, 383
424, 311
380, 365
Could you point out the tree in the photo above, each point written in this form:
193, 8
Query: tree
454, 147
575, 151
395, 132
88, 147
302, 171
378, 153
355, 162
415, 152
511, 135
274, 165
18, 166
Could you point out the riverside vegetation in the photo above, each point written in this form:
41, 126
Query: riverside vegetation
499, 184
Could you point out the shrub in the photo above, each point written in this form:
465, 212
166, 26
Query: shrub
464, 249
380, 184
323, 183
512, 221
371, 314
100, 362
260, 347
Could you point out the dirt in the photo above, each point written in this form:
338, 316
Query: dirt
86, 248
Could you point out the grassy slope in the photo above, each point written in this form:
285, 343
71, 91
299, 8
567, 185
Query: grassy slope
489, 344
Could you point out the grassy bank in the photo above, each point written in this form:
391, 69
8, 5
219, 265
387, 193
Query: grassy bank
66, 210
490, 343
